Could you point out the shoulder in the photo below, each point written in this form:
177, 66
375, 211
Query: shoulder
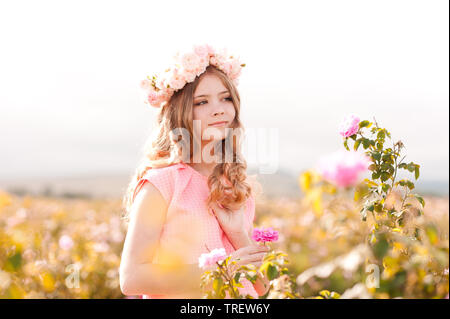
161, 179
164, 171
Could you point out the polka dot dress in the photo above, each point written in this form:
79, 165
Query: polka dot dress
190, 229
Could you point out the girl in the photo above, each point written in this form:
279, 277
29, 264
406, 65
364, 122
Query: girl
190, 195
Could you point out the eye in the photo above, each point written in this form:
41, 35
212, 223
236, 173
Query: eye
227, 98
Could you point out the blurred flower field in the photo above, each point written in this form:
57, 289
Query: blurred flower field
340, 238
70, 248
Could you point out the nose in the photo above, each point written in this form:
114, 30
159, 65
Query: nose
218, 109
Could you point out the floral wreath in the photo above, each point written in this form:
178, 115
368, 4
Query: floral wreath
159, 89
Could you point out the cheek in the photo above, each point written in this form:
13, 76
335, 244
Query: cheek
231, 111
200, 116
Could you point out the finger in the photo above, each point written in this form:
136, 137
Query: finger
216, 210
251, 259
257, 257
250, 250
254, 249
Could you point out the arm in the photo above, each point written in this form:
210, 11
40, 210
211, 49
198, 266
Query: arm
262, 284
138, 275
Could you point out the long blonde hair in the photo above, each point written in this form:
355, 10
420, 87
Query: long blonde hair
228, 182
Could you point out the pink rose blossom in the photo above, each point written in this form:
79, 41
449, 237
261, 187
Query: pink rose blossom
153, 98
264, 235
189, 76
198, 71
145, 84
209, 259
227, 67
213, 61
201, 51
349, 125
177, 81
210, 49
65, 242
190, 61
343, 167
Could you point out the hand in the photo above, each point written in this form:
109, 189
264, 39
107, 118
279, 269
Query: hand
252, 254
232, 222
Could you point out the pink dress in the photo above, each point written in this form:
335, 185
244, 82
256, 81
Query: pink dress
189, 228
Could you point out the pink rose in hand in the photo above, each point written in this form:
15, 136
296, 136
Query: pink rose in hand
349, 125
264, 235
209, 259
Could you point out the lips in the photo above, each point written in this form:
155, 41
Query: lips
218, 123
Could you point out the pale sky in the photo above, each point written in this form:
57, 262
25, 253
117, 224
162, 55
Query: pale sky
70, 72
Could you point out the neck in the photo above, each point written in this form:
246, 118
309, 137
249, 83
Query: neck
202, 166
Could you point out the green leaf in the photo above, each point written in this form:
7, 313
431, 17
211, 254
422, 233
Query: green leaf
420, 199
335, 295
379, 146
366, 143
364, 124
376, 156
385, 187
381, 135
411, 167
410, 184
385, 176
388, 158
381, 247
416, 172
217, 284
272, 272
370, 183
357, 143
346, 144
378, 207
14, 262
376, 175
250, 278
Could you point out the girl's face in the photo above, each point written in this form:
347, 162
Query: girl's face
212, 103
